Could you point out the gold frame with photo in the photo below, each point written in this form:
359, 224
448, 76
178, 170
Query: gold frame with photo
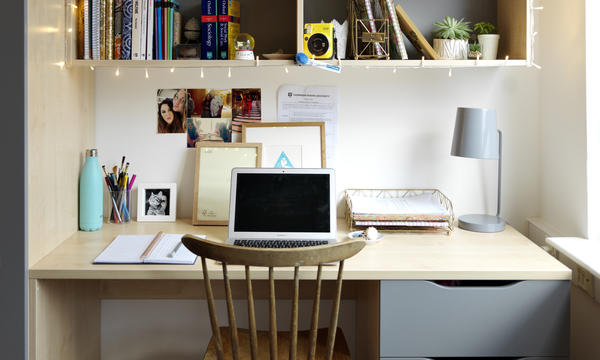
289, 130
213, 177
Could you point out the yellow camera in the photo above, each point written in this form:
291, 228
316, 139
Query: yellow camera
319, 40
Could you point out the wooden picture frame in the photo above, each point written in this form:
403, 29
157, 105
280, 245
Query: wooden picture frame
164, 206
288, 143
212, 180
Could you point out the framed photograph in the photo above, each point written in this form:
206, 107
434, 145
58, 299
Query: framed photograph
288, 144
157, 202
214, 162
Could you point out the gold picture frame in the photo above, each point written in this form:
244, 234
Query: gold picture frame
212, 180
300, 144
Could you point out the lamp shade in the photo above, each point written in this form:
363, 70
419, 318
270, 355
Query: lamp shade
475, 134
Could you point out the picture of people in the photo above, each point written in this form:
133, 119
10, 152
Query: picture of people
172, 110
207, 129
246, 108
210, 103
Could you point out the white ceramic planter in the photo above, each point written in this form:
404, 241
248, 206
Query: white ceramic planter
489, 46
451, 49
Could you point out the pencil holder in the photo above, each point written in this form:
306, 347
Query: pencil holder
119, 206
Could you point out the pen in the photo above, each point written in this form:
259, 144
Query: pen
174, 249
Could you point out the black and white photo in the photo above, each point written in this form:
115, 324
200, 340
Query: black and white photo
157, 202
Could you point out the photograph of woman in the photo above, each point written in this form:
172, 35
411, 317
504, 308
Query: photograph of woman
171, 111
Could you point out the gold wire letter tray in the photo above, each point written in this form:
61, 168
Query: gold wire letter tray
410, 210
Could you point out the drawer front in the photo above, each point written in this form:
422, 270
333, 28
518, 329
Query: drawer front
422, 319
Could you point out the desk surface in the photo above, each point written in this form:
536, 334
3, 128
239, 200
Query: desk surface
463, 255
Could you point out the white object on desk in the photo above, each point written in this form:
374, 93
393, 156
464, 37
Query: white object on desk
128, 249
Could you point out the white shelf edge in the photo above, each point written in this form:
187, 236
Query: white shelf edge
157, 64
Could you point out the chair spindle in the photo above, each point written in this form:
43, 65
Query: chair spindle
294, 321
212, 312
251, 317
272, 316
231, 313
334, 312
315, 317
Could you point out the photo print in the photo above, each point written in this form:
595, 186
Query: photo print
207, 129
171, 110
157, 202
210, 103
246, 108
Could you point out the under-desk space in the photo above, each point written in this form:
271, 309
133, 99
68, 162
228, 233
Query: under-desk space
66, 290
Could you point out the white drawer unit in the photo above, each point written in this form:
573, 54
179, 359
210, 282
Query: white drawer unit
522, 319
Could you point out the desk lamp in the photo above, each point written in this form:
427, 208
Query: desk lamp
477, 136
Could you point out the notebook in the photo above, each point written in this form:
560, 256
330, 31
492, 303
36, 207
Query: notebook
282, 205
128, 249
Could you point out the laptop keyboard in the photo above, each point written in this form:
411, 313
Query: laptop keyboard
279, 244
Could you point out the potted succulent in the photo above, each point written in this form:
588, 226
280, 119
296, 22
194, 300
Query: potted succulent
451, 38
474, 50
488, 39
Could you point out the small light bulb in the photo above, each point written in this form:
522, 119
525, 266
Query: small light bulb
201, 73
229, 73
172, 69
74, 6
60, 64
70, 30
92, 68
117, 72
286, 70
395, 70
450, 72
367, 67
146, 70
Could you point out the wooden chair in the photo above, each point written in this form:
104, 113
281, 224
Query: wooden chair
233, 343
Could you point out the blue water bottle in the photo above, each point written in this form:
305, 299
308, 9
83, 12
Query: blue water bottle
90, 193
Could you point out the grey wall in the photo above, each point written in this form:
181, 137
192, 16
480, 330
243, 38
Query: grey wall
12, 212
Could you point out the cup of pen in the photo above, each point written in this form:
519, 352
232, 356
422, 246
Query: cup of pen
119, 206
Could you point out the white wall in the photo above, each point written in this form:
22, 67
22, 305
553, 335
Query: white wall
395, 130
563, 116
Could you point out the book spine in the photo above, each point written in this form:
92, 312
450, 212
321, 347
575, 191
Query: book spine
96, 30
398, 41
86, 29
136, 30
103, 29
158, 30
176, 26
118, 28
80, 31
169, 30
150, 27
209, 30
110, 40
126, 31
164, 29
223, 29
143, 28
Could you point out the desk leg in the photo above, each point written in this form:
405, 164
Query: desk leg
367, 320
64, 319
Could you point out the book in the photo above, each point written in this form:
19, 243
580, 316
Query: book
126, 30
103, 29
176, 26
228, 28
118, 28
150, 30
95, 30
147, 249
158, 30
80, 29
110, 40
209, 30
136, 30
143, 28
86, 30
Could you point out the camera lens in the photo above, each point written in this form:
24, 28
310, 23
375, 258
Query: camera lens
318, 44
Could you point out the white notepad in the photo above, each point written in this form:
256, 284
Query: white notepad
128, 249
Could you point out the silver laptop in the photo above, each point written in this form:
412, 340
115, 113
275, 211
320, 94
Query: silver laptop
275, 208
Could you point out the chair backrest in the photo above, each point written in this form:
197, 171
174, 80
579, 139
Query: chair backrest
272, 258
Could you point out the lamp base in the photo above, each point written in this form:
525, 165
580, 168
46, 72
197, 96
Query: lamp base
481, 223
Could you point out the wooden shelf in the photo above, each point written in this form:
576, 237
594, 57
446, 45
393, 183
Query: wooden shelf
167, 64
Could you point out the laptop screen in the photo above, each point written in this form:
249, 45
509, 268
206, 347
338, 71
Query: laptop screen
282, 203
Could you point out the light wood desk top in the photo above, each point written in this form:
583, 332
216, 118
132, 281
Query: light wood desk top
463, 255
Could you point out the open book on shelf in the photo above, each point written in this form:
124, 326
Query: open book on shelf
160, 248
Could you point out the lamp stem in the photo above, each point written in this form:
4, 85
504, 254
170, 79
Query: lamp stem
499, 170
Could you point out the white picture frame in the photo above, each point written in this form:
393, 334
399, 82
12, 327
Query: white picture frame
163, 205
293, 141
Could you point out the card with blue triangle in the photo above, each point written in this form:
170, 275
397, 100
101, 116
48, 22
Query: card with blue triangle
283, 162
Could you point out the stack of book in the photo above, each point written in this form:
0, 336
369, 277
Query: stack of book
150, 29
400, 210
128, 29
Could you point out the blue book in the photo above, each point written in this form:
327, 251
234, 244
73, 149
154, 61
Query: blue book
228, 28
126, 30
209, 30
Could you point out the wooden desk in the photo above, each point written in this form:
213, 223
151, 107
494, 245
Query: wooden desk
66, 288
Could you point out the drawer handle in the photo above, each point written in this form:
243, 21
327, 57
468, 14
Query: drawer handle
474, 283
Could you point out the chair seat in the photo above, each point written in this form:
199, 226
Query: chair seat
340, 349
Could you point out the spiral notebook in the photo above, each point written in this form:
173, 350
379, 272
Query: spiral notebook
147, 249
